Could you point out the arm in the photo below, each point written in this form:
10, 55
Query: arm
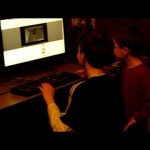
131, 122
144, 113
55, 121
54, 114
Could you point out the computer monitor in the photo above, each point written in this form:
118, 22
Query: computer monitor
25, 40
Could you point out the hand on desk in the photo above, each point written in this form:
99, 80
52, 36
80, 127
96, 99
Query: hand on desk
48, 92
81, 73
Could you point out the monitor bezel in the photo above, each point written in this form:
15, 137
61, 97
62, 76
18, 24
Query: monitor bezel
34, 65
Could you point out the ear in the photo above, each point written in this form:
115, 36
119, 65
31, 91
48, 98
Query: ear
125, 50
83, 57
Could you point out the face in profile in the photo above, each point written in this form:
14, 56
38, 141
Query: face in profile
119, 52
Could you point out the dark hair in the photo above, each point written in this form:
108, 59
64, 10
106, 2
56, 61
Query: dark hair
97, 48
132, 38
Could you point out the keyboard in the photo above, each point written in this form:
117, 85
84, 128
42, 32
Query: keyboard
58, 80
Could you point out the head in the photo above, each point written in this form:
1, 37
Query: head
128, 42
95, 49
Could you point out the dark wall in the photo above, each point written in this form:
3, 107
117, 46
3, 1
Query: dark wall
112, 25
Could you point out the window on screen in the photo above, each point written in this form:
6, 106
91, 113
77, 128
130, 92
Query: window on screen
33, 34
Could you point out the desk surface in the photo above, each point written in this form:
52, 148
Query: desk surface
9, 99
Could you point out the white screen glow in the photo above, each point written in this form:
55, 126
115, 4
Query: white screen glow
15, 53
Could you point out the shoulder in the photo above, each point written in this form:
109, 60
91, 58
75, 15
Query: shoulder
77, 86
144, 71
146, 68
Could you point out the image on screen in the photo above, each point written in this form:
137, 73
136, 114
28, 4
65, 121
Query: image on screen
33, 34
26, 40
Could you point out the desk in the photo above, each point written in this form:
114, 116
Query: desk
9, 99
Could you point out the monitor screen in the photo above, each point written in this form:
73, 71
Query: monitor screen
27, 39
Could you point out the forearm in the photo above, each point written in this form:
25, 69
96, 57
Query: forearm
144, 112
54, 118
